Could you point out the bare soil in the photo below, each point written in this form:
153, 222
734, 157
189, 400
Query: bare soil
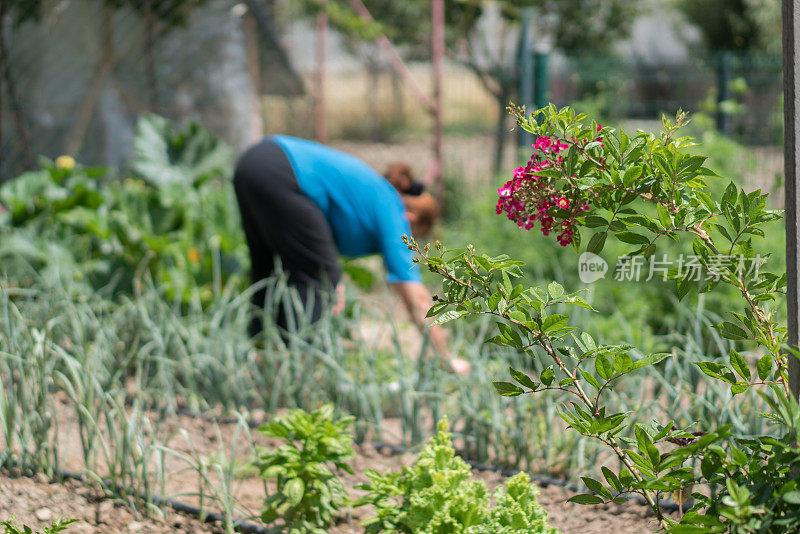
38, 501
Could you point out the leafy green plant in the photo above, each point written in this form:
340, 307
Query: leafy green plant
437, 495
309, 495
175, 217
59, 525
589, 183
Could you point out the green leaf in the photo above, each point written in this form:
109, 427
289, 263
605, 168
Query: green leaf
547, 376
663, 216
684, 286
718, 371
507, 389
645, 444
586, 498
597, 242
611, 478
436, 308
603, 367
595, 221
555, 289
764, 366
792, 497
739, 387
494, 300
631, 175
633, 238
523, 379
731, 331
293, 491
449, 316
554, 322
740, 365
623, 362
597, 487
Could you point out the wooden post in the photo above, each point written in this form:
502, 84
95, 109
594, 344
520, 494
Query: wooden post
437, 47
320, 124
791, 46
397, 62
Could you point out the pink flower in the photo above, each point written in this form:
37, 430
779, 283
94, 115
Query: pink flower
565, 237
562, 203
519, 172
542, 143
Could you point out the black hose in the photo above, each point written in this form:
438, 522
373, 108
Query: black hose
543, 480
207, 517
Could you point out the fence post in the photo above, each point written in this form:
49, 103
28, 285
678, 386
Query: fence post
320, 125
437, 49
525, 60
791, 147
541, 85
724, 75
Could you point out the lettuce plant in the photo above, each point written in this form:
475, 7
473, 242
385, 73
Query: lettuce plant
437, 495
586, 184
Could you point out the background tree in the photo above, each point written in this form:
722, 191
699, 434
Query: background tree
723, 24
572, 26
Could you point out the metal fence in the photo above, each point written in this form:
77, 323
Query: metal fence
76, 74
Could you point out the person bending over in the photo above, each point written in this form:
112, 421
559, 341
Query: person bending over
307, 204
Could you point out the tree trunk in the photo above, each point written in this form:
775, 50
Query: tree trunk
8, 78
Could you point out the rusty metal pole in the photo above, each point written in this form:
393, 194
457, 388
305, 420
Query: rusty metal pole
320, 124
791, 46
437, 47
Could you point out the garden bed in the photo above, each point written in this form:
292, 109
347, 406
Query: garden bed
37, 501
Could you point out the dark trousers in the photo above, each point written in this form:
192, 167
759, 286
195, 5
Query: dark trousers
281, 221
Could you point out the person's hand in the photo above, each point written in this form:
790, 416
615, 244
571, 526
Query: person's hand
338, 307
459, 366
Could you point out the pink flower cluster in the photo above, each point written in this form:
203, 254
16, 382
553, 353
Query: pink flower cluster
529, 197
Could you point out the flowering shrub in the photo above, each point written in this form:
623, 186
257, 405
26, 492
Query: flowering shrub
641, 190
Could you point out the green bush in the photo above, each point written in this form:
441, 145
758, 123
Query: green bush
176, 215
309, 495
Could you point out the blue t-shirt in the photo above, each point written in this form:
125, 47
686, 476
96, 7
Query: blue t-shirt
362, 208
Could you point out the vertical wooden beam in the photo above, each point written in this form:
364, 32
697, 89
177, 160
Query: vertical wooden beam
437, 47
320, 124
397, 62
791, 96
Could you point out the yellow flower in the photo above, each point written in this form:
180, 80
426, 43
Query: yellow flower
193, 255
65, 162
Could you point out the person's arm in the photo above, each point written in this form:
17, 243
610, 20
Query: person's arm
417, 300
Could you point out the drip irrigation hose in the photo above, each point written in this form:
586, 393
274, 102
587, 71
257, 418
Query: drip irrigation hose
542, 480
205, 516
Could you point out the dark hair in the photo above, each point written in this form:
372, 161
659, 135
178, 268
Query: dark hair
400, 175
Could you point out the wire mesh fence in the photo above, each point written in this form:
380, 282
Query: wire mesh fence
75, 75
